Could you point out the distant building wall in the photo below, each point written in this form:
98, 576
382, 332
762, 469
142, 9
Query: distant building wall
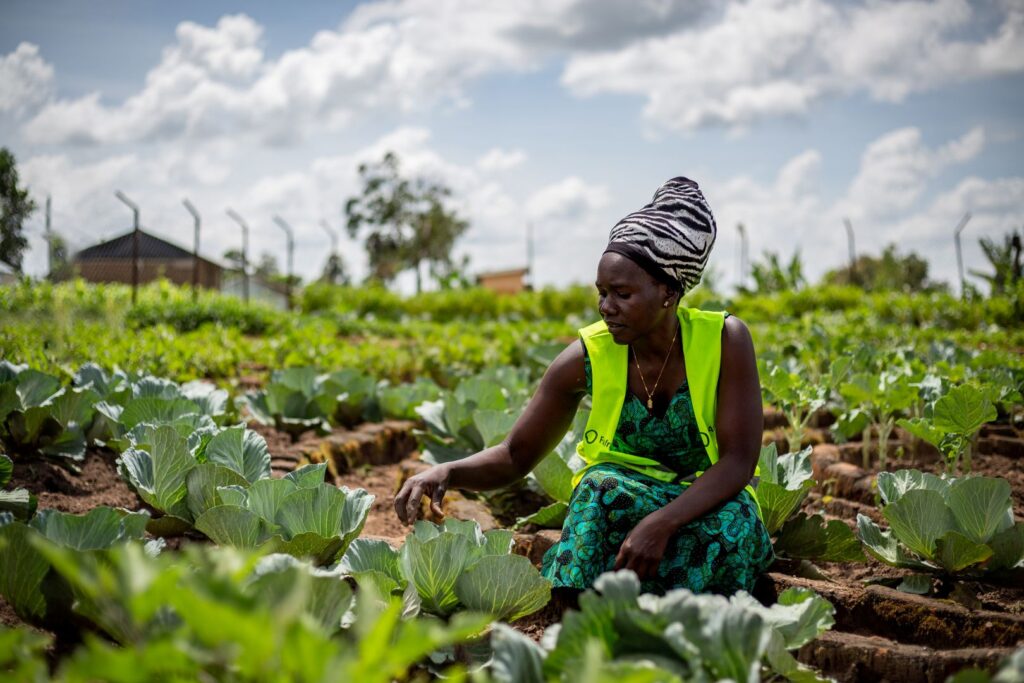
178, 271
507, 282
233, 285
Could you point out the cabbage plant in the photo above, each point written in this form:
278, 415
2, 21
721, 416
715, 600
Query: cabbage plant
39, 416
785, 385
212, 613
692, 637
27, 578
452, 567
959, 527
401, 400
20, 502
357, 397
180, 476
952, 422
295, 400
131, 405
784, 484
478, 414
877, 398
298, 514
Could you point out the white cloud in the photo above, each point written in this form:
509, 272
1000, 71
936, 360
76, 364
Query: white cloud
895, 169
498, 159
883, 200
26, 79
767, 58
569, 200
696, 64
217, 81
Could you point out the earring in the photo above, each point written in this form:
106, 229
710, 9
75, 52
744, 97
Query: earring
665, 305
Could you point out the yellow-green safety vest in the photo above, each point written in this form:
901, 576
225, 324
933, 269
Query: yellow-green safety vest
609, 363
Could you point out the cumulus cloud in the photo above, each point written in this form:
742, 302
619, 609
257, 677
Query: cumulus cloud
217, 81
885, 200
26, 79
695, 63
569, 200
895, 169
498, 159
766, 58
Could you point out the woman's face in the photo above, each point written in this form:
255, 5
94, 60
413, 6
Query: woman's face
630, 301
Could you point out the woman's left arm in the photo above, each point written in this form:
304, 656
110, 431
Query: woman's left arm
739, 423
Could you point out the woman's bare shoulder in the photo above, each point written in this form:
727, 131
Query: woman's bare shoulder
567, 373
736, 339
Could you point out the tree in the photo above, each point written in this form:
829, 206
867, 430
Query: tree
406, 220
888, 272
772, 276
334, 271
266, 267
15, 208
60, 263
1005, 259
234, 258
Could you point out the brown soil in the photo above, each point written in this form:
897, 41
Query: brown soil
854, 658
383, 482
97, 484
882, 633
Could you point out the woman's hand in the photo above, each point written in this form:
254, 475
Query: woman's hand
432, 483
644, 547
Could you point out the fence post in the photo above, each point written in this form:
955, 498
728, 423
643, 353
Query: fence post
135, 243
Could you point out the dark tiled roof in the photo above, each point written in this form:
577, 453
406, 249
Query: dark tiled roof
150, 247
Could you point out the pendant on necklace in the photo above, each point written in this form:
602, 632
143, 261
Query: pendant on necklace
650, 404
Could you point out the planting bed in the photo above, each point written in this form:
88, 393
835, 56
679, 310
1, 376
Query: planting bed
885, 634
880, 633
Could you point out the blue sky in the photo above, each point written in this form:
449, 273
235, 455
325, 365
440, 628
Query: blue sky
567, 114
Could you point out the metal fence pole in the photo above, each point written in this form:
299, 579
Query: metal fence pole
959, 255
195, 249
283, 224
135, 243
49, 241
245, 253
853, 250
334, 243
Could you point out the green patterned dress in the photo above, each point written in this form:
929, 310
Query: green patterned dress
721, 552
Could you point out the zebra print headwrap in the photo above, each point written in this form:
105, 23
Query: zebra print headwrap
671, 238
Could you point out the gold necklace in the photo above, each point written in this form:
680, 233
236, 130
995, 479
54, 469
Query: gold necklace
650, 393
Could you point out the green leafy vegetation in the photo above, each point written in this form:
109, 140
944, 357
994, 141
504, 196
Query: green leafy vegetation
298, 514
959, 527
784, 484
452, 567
692, 637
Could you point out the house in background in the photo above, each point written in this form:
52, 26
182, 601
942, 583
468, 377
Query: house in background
111, 261
8, 276
510, 281
271, 293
